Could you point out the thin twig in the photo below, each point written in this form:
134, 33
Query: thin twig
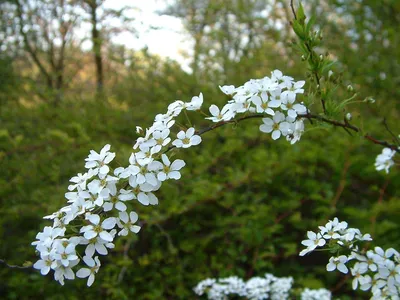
293, 10
126, 256
340, 283
347, 126
14, 266
395, 138
351, 127
380, 200
342, 183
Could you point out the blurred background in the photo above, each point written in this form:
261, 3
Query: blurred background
76, 75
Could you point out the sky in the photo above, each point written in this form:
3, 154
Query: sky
168, 41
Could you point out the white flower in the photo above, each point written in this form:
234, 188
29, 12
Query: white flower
384, 160
170, 170
351, 234
147, 151
331, 229
295, 131
48, 235
187, 139
294, 89
80, 180
277, 125
146, 174
44, 264
220, 115
228, 89
292, 109
132, 170
390, 272
65, 252
195, 103
96, 186
284, 81
118, 201
267, 85
337, 263
94, 265
98, 161
139, 129
314, 240
97, 244
143, 191
257, 288
61, 272
162, 137
200, 288
357, 272
97, 229
263, 105
320, 294
381, 256
175, 108
126, 223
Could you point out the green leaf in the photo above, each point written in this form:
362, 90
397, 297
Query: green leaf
310, 24
300, 14
298, 29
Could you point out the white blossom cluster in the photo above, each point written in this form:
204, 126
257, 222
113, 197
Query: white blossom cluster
376, 270
256, 288
385, 160
100, 200
97, 209
274, 96
320, 294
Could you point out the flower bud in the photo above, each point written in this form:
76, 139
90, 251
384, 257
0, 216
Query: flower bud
139, 129
350, 88
348, 116
330, 73
369, 99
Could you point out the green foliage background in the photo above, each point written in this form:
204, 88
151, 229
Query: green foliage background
244, 202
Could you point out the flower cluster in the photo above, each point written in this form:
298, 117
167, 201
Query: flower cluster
98, 200
385, 160
256, 288
274, 96
376, 270
320, 294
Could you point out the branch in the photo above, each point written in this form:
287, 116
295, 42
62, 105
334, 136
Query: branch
347, 126
395, 138
220, 124
15, 266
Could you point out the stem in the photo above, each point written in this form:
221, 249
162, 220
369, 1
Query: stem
311, 55
14, 266
293, 10
348, 126
345, 125
187, 117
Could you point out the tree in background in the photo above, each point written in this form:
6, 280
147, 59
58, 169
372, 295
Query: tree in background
46, 32
228, 35
105, 24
